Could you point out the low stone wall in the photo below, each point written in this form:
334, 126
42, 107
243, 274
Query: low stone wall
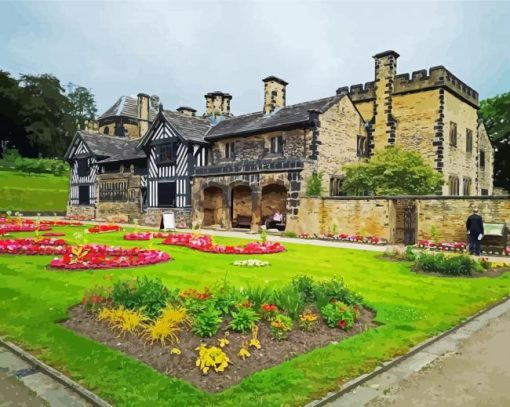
87, 211
153, 217
118, 211
384, 216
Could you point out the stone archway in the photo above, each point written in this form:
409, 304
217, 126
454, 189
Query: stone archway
213, 206
241, 206
273, 199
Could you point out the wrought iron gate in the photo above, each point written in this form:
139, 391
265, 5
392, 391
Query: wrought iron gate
410, 223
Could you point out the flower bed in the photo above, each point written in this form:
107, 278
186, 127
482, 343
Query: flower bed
34, 246
146, 235
344, 237
105, 257
223, 333
459, 247
53, 234
251, 263
24, 227
104, 229
204, 243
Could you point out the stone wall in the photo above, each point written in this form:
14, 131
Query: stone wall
125, 211
87, 211
384, 216
131, 126
152, 217
485, 175
339, 127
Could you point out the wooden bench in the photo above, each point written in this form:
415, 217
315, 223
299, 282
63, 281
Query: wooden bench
242, 221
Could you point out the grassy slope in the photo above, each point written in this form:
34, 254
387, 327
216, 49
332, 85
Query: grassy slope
411, 308
37, 192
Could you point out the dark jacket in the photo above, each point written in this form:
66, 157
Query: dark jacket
474, 224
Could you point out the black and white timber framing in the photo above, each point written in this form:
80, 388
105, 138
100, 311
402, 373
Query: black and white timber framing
82, 190
174, 146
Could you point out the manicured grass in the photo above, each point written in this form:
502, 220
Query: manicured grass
37, 192
410, 308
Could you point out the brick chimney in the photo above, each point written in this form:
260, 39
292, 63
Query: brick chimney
217, 105
385, 126
143, 113
274, 94
187, 111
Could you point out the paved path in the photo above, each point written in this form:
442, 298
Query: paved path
14, 393
470, 367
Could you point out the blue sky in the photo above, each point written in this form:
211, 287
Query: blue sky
182, 50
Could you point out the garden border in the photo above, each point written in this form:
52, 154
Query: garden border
353, 384
87, 395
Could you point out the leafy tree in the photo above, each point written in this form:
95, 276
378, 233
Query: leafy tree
495, 112
314, 184
83, 106
11, 122
47, 114
392, 171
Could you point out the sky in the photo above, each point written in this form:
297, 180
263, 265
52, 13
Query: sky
182, 50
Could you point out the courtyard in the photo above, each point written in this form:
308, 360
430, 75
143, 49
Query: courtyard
408, 308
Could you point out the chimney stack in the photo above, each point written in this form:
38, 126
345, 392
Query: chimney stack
217, 105
143, 113
187, 111
274, 94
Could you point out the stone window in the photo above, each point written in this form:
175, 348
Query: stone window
482, 159
453, 185
335, 185
466, 186
167, 153
277, 145
485, 191
453, 134
83, 167
229, 150
469, 141
362, 146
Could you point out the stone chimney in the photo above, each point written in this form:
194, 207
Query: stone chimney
217, 105
384, 124
274, 94
143, 113
155, 101
187, 111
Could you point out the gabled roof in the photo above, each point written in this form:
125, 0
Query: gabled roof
127, 106
108, 148
286, 117
189, 128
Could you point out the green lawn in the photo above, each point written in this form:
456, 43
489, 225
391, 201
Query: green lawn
410, 308
37, 192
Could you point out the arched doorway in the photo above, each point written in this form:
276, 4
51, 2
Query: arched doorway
241, 206
274, 201
213, 206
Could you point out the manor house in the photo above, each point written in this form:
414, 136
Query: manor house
220, 170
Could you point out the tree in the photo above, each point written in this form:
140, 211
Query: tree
83, 106
12, 132
495, 112
392, 171
47, 115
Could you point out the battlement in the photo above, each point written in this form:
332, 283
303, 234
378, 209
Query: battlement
437, 76
358, 92
421, 80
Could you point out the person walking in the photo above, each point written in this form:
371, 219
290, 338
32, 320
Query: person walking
474, 226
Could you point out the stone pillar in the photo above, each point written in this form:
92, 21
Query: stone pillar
256, 208
227, 209
384, 130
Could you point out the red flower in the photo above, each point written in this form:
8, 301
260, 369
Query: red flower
341, 324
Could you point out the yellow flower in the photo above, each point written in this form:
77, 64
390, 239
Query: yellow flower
243, 353
175, 351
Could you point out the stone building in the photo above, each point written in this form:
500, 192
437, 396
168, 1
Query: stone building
259, 162
431, 112
129, 116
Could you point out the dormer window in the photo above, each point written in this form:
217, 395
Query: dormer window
229, 150
277, 145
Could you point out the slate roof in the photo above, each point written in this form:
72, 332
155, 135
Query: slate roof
257, 122
189, 127
127, 106
110, 148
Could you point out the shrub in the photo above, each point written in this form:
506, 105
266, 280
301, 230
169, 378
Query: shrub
281, 326
305, 285
452, 265
289, 300
161, 330
212, 357
334, 289
263, 235
338, 314
258, 295
244, 319
207, 322
290, 234
307, 321
314, 184
147, 295
226, 297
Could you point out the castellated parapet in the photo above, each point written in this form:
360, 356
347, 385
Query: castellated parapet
435, 77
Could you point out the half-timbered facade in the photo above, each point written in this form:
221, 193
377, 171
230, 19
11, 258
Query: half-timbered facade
174, 146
